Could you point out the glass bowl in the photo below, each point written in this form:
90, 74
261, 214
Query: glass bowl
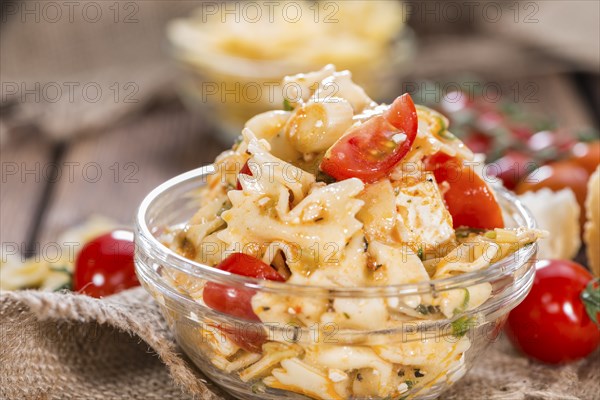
230, 89
434, 353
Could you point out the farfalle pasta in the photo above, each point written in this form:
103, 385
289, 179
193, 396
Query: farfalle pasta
336, 191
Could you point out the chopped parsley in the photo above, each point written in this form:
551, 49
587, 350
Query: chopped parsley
461, 326
347, 315
420, 253
323, 177
427, 309
287, 106
490, 234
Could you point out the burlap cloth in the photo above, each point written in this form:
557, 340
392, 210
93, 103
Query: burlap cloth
66, 346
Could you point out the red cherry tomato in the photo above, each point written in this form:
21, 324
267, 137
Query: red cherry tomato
105, 266
478, 142
371, 150
551, 324
511, 168
237, 302
557, 176
468, 198
587, 155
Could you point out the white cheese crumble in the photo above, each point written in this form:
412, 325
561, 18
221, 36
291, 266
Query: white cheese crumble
403, 387
336, 375
399, 138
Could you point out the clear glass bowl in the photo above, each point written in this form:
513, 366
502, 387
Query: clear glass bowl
230, 90
464, 337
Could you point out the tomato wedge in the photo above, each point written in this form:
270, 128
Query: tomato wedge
468, 198
237, 302
371, 150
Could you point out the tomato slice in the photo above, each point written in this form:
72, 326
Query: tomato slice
371, 150
468, 198
237, 302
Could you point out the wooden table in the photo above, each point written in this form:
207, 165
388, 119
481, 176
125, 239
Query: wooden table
48, 187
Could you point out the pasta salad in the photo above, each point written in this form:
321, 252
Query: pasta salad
337, 191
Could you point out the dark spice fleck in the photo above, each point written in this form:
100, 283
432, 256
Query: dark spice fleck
418, 373
359, 377
401, 372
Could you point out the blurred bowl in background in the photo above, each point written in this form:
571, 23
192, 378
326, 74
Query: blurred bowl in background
233, 57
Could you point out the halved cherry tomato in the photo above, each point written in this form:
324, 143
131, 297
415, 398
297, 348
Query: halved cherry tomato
511, 168
246, 171
551, 324
468, 198
371, 150
237, 302
104, 266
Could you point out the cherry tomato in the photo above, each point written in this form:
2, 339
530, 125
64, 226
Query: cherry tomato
587, 155
521, 132
468, 198
551, 324
371, 150
511, 168
478, 142
237, 302
557, 176
104, 266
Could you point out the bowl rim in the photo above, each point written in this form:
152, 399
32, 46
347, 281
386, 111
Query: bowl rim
147, 240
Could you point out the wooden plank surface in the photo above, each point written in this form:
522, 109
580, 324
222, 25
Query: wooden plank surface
557, 97
26, 170
115, 170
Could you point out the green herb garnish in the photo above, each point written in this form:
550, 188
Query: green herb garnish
427, 309
323, 177
490, 234
461, 326
287, 106
420, 253
591, 300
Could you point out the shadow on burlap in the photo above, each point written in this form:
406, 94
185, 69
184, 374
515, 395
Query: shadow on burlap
65, 346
